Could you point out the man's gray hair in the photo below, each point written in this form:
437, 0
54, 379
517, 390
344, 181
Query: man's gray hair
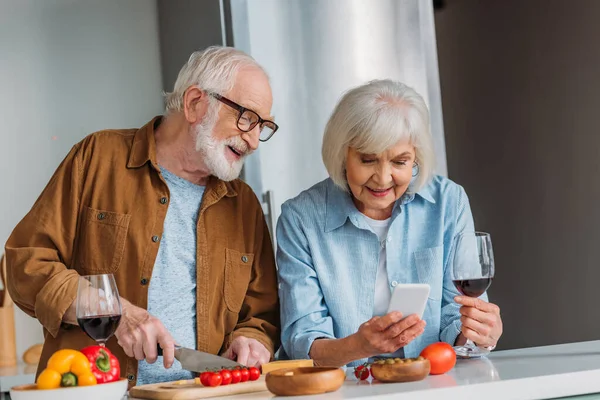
213, 69
374, 117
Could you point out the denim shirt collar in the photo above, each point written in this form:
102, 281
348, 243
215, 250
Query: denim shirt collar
340, 206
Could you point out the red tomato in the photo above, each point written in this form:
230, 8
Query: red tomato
226, 375
204, 378
361, 372
245, 374
215, 379
254, 373
236, 376
441, 356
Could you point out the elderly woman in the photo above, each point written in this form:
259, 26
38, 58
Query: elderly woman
380, 219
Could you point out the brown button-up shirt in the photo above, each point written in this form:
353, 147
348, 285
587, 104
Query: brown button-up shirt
103, 211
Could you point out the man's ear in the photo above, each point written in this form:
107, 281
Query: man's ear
195, 104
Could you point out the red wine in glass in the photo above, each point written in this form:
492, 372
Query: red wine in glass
473, 287
101, 327
472, 274
98, 306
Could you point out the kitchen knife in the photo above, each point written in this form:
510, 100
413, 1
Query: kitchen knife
199, 361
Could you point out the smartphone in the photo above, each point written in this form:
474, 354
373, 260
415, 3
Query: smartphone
409, 298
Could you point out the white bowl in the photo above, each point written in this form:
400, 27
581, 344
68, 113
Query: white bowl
104, 391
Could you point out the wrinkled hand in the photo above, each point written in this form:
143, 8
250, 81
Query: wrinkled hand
388, 333
139, 333
481, 321
248, 352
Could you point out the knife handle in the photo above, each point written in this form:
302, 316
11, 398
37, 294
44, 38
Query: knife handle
159, 349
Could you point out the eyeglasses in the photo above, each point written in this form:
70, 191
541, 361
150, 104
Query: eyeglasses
248, 119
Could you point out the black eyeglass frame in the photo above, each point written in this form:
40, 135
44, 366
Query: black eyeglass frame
241, 110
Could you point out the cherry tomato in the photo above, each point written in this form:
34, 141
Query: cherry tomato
226, 375
362, 372
204, 378
215, 379
245, 374
236, 376
441, 356
254, 373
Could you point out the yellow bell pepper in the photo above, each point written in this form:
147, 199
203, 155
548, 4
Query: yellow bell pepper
66, 368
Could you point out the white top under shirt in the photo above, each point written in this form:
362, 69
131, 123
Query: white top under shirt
383, 293
382, 286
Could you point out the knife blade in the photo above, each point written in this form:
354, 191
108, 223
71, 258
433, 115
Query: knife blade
199, 361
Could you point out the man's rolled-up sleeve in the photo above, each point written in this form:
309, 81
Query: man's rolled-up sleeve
41, 246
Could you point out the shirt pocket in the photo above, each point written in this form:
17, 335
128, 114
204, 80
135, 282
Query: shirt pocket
101, 241
238, 267
430, 269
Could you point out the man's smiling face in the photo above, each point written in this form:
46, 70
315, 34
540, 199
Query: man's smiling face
222, 145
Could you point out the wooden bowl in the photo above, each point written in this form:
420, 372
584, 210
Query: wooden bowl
304, 380
407, 370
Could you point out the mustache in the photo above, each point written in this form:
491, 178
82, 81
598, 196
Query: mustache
239, 145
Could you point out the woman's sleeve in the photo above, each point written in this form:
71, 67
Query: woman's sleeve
304, 314
450, 325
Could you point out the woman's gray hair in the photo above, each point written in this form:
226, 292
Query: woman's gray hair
374, 117
213, 69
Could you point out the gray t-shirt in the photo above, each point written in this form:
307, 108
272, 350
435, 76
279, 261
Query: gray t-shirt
172, 290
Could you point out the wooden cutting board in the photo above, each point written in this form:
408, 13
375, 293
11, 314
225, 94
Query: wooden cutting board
190, 391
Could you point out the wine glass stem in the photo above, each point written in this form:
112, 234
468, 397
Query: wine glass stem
470, 344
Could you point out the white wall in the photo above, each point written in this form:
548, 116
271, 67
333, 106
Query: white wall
67, 68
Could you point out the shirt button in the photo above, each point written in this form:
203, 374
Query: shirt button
244, 259
144, 281
101, 216
389, 239
163, 200
394, 284
155, 238
130, 377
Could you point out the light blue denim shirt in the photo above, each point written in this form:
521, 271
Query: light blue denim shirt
328, 255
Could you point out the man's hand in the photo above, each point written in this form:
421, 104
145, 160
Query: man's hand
248, 352
139, 333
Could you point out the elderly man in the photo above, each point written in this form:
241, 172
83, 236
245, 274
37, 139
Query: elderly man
161, 209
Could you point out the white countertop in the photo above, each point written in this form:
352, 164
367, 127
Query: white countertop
523, 374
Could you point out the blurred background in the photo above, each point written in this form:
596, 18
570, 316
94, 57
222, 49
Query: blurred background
511, 86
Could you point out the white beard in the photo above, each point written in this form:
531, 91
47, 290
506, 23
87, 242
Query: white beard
213, 151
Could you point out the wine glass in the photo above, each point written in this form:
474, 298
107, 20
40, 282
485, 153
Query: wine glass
98, 306
472, 274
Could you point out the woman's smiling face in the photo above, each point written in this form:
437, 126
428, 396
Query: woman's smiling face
378, 180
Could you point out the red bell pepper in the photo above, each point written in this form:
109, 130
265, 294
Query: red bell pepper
105, 366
